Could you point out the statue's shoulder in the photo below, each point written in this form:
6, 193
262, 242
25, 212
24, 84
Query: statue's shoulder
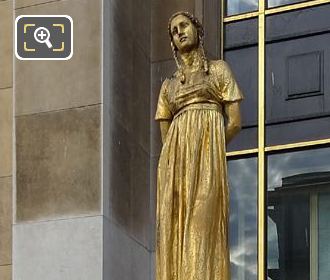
172, 80
167, 84
164, 86
218, 65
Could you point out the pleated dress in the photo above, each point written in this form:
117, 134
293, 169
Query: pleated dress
192, 186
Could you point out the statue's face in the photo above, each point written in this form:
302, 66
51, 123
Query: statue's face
184, 34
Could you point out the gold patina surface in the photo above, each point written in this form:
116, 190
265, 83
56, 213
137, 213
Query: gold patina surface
198, 110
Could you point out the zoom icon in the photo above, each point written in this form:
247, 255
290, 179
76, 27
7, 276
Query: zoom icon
44, 37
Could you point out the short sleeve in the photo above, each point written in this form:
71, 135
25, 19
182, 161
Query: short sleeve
229, 89
163, 111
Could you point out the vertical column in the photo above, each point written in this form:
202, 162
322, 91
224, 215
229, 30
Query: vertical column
6, 123
261, 143
126, 140
58, 232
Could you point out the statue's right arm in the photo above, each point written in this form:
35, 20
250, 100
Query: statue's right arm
164, 127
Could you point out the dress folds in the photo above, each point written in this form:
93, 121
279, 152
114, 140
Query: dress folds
192, 187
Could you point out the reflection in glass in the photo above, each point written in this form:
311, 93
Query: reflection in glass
323, 237
297, 103
241, 6
241, 52
243, 63
275, 3
295, 181
243, 218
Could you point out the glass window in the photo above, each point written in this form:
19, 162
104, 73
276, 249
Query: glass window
243, 218
295, 181
297, 71
324, 236
241, 52
275, 3
240, 6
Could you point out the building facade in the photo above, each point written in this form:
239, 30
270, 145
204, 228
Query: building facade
79, 145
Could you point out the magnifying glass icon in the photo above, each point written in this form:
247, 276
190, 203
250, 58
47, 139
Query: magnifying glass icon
41, 35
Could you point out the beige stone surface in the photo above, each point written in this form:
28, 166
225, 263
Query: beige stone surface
51, 85
6, 123
58, 164
5, 272
6, 53
27, 3
69, 249
5, 220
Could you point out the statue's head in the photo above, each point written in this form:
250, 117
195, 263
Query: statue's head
186, 32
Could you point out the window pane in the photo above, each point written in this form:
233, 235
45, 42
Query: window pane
241, 6
324, 236
275, 3
297, 76
241, 52
292, 180
243, 218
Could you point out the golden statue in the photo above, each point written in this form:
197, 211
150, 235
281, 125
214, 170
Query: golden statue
198, 110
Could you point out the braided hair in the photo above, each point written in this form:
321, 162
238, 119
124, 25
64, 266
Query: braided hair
200, 33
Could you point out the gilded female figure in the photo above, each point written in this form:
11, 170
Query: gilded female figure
198, 110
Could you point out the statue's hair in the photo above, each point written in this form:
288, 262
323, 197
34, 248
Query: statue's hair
200, 34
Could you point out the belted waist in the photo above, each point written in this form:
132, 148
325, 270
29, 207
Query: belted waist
199, 106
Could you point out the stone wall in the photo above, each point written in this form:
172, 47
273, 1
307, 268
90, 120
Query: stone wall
58, 106
127, 199
6, 124
86, 142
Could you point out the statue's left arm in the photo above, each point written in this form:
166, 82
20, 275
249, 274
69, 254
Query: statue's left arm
231, 96
164, 127
163, 113
233, 116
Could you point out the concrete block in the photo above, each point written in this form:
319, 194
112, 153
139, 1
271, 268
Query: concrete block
6, 127
5, 220
52, 85
6, 42
58, 164
53, 250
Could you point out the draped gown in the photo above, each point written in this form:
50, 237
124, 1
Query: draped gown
192, 187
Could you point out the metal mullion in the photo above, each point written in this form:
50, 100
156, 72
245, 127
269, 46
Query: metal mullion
261, 141
241, 17
293, 7
282, 147
298, 145
314, 236
242, 152
222, 29
276, 10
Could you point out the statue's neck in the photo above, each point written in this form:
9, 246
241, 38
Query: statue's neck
192, 60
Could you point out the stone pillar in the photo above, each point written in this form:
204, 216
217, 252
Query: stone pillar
6, 123
128, 204
58, 230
